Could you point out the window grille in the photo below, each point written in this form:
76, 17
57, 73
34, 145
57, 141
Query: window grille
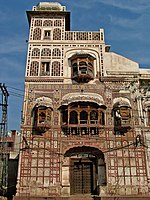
38, 23
35, 52
37, 34
46, 53
56, 53
57, 34
57, 23
55, 68
34, 68
48, 23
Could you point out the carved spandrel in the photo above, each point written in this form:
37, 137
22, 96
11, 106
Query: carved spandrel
57, 94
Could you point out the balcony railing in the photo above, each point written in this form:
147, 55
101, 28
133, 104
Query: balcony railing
82, 129
83, 35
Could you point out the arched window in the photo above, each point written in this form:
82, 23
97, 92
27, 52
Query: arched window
46, 53
82, 68
38, 22
122, 117
57, 34
73, 117
37, 34
93, 117
83, 117
55, 68
34, 68
48, 23
36, 52
102, 118
56, 53
88, 117
41, 119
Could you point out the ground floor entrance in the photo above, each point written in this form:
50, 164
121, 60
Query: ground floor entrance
86, 170
83, 178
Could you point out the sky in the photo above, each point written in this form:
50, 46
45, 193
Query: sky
126, 24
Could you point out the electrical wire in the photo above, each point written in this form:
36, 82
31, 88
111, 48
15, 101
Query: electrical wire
19, 94
16, 89
137, 142
16, 94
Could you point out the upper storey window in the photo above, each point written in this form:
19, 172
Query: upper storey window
57, 23
34, 68
122, 117
55, 68
41, 119
45, 68
56, 53
47, 34
36, 52
48, 23
82, 118
57, 34
46, 53
82, 68
38, 22
37, 34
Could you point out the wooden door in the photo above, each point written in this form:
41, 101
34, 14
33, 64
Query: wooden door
82, 178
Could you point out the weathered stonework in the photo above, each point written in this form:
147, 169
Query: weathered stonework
85, 116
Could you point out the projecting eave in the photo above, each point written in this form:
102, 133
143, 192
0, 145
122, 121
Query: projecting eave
31, 14
144, 74
86, 97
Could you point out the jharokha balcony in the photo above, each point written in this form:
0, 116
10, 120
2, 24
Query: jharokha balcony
82, 118
83, 128
42, 127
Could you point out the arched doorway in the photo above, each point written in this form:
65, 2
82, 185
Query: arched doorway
87, 170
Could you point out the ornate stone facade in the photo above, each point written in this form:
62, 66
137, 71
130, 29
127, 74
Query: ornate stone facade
86, 114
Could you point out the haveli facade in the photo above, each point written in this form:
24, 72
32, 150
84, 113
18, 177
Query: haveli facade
86, 114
